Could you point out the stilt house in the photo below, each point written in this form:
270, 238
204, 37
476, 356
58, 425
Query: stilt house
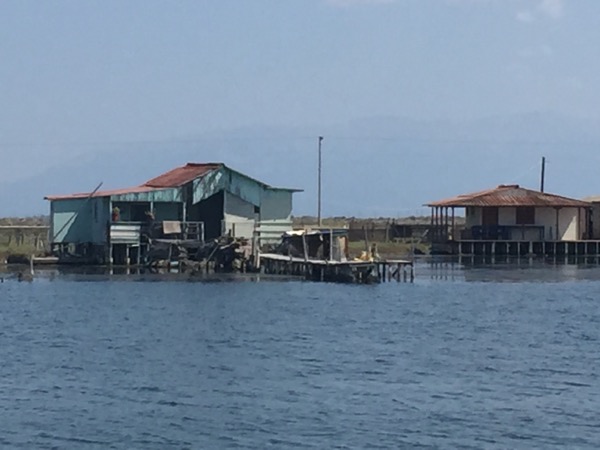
510, 214
195, 201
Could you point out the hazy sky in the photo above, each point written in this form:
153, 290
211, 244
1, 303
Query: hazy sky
75, 75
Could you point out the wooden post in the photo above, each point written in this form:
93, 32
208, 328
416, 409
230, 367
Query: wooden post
437, 223
557, 223
331, 244
432, 221
578, 228
446, 226
435, 227
305, 247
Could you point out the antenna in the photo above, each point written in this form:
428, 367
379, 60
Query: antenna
543, 176
319, 189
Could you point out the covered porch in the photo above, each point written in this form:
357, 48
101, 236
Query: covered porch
511, 220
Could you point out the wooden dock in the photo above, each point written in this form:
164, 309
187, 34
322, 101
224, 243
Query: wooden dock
351, 271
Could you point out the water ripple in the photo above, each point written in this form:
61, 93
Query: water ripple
296, 365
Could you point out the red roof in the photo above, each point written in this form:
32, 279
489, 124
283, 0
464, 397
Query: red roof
131, 190
182, 175
171, 179
510, 195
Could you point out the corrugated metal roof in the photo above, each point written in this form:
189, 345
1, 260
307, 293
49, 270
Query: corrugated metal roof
108, 193
171, 179
510, 195
182, 175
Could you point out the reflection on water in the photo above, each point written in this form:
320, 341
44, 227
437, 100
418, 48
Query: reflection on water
433, 364
427, 269
507, 269
122, 273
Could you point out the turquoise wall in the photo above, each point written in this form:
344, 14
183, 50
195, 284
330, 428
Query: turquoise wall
276, 205
159, 195
244, 187
79, 220
208, 185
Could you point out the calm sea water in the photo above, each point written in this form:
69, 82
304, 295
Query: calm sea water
478, 358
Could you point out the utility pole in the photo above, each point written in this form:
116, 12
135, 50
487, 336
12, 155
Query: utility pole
543, 174
319, 189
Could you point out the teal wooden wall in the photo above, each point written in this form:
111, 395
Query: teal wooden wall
159, 195
79, 220
276, 204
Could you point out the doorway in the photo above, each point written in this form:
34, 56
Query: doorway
489, 216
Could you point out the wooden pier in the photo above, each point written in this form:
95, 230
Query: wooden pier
351, 271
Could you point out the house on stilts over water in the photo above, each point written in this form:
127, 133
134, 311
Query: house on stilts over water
513, 221
192, 203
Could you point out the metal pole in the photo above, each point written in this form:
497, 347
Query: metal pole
319, 189
543, 174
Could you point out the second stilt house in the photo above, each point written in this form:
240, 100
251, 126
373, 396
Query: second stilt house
510, 219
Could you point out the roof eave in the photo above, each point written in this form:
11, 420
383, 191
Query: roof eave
509, 205
271, 188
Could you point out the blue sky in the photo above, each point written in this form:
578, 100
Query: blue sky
79, 77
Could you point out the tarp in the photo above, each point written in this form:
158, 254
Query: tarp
171, 227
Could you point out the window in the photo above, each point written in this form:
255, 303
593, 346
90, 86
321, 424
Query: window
525, 215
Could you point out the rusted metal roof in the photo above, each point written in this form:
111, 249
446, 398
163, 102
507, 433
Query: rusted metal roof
510, 195
182, 175
171, 179
108, 193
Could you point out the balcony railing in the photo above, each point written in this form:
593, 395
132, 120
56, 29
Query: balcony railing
504, 233
134, 232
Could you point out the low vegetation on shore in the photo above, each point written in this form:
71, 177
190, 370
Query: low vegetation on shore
22, 242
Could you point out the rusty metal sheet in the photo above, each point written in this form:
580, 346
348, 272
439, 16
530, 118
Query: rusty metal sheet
173, 178
109, 193
182, 175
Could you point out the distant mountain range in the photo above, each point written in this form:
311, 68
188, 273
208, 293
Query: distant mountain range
379, 166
